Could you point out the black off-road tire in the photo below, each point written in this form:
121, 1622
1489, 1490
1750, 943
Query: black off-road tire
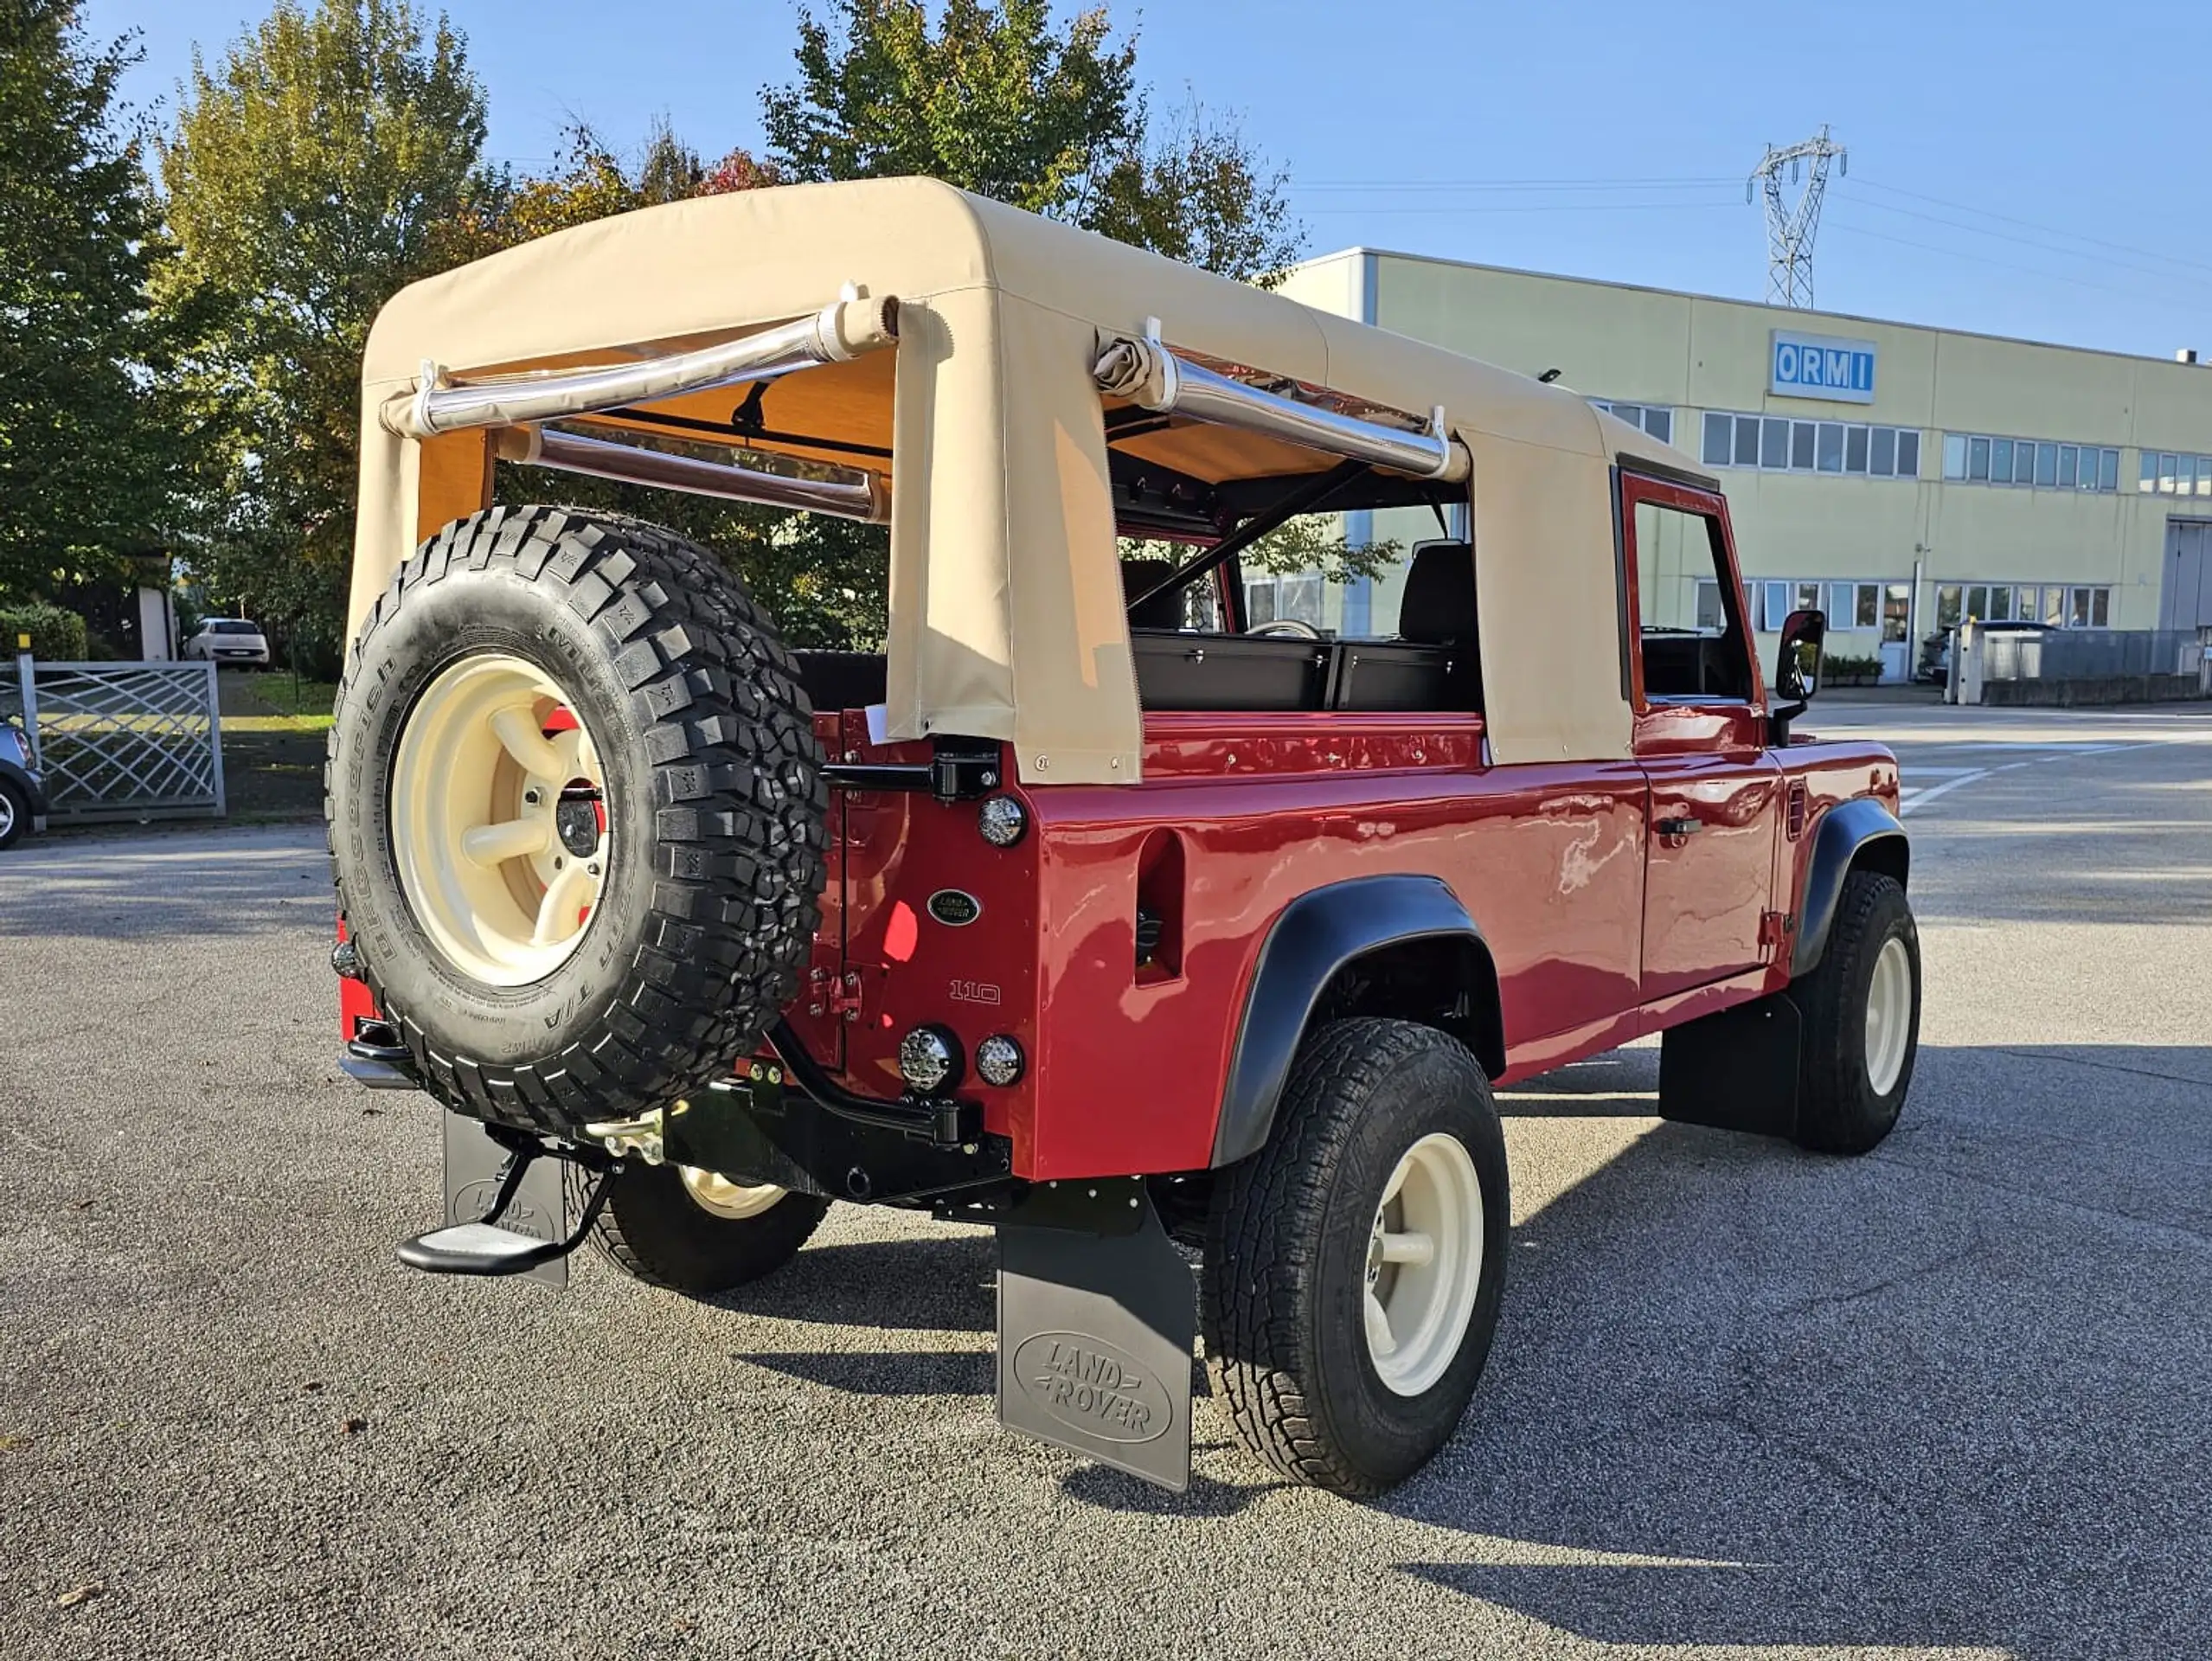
715, 802
1285, 1254
18, 816
1838, 1109
654, 1231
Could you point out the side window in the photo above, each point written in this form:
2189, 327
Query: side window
1688, 640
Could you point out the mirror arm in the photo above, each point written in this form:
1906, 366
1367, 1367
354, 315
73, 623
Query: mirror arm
1777, 724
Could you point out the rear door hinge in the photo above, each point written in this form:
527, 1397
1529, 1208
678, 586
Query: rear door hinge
1775, 927
835, 995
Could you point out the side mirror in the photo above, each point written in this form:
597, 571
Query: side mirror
1797, 672
1796, 665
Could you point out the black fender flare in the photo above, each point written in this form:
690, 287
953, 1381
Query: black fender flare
1310, 939
1844, 832
30, 787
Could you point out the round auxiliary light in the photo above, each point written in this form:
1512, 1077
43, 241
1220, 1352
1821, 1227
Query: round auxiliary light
929, 1059
1002, 820
999, 1060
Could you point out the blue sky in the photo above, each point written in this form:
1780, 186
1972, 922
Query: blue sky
2023, 169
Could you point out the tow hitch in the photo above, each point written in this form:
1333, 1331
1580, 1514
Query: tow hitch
522, 1228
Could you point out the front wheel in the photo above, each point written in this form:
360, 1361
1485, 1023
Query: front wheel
1862, 1014
15, 813
695, 1232
1353, 1266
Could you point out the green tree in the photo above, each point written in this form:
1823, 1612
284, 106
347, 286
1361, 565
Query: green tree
1000, 99
94, 456
313, 173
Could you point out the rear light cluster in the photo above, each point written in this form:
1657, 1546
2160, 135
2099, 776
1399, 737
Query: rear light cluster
930, 1060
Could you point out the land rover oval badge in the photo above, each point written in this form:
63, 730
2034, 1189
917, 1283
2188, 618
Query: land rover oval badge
955, 908
1092, 1387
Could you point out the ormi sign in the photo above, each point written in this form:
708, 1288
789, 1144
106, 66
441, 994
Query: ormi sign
1821, 366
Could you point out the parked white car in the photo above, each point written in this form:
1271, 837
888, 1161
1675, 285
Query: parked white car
229, 640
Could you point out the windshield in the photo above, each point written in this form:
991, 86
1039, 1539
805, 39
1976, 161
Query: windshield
225, 626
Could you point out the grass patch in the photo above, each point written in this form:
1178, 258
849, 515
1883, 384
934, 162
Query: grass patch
285, 697
276, 724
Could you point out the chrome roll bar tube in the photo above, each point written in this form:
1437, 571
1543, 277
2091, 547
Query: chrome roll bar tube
836, 334
1150, 375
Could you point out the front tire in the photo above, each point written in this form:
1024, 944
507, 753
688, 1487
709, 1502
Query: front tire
693, 1232
15, 813
1861, 1020
1353, 1266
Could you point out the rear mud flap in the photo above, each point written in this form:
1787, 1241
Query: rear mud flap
1095, 1330
1736, 1070
540, 1210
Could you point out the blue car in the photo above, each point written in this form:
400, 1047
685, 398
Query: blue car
22, 792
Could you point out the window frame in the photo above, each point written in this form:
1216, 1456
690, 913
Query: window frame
1631, 490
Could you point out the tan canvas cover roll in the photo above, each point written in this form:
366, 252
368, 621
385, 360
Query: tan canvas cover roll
1005, 602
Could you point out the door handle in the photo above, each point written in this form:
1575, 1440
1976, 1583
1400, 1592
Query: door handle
1676, 827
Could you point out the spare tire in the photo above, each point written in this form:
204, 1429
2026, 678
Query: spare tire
577, 816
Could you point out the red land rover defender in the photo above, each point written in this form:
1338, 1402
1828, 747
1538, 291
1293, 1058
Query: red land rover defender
1090, 908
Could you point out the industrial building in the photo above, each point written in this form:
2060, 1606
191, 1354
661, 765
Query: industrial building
1900, 477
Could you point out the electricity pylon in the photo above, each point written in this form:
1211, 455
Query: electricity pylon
1790, 231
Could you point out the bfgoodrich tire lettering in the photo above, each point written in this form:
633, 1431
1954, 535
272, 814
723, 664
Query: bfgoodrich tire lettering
1839, 1108
1287, 1252
713, 801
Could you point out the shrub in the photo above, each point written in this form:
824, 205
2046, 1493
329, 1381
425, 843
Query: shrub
56, 635
1836, 667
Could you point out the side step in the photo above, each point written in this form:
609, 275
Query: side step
480, 1245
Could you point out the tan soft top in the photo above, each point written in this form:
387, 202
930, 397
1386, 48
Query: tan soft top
1006, 605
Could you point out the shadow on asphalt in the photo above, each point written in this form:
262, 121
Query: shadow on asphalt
941, 1283
1745, 1395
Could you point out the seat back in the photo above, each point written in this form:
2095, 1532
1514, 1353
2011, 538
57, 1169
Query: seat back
1161, 611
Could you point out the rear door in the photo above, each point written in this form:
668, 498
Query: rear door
1715, 790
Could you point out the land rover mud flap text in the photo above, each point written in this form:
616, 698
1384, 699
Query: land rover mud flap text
1095, 1330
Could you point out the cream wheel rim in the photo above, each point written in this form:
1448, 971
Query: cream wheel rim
1424, 1264
712, 1192
498, 819
1888, 1016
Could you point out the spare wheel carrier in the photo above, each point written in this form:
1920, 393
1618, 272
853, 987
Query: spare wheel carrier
576, 816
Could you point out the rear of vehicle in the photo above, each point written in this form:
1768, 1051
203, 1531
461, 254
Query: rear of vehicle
230, 640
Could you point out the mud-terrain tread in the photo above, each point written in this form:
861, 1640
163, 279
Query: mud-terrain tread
731, 739
1274, 1200
1832, 1116
777, 1236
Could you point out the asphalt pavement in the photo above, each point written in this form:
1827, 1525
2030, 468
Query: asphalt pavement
1949, 1399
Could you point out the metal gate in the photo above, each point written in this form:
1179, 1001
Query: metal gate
123, 740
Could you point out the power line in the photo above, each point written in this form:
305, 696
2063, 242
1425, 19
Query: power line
2029, 224
1535, 208
1510, 185
2177, 301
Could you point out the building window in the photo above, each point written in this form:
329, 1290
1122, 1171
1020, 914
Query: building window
1781, 445
1857, 605
2172, 475
2054, 605
1977, 458
1652, 419
1281, 600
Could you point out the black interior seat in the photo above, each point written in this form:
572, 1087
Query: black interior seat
1438, 607
1434, 663
1161, 611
